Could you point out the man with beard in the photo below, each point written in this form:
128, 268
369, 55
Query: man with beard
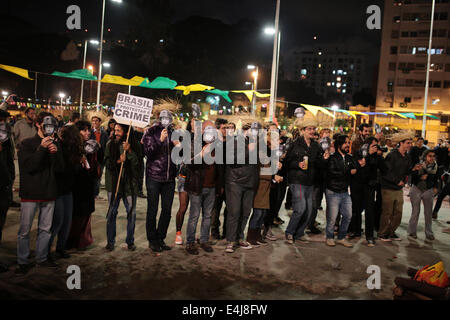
364, 132
119, 151
24, 128
339, 169
303, 157
397, 167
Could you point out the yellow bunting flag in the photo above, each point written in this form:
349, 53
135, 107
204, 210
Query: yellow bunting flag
315, 109
135, 81
19, 71
193, 87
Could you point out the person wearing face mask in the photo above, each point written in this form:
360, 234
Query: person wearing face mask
160, 176
241, 179
86, 176
203, 181
40, 158
424, 186
7, 170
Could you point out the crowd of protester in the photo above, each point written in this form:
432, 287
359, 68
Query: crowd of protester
61, 167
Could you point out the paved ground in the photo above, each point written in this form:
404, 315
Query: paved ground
276, 271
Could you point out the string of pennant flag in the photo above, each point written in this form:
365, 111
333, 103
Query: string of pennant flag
167, 83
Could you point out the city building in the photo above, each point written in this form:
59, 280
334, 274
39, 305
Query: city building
403, 63
330, 69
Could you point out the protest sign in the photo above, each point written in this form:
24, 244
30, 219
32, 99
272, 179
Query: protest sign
133, 110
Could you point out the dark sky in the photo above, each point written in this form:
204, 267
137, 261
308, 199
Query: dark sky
299, 19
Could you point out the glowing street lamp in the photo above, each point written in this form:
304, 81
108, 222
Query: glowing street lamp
255, 84
269, 31
106, 64
94, 42
61, 96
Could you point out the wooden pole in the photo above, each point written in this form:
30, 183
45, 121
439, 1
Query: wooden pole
121, 165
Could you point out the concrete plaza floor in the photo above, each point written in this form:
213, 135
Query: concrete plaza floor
275, 271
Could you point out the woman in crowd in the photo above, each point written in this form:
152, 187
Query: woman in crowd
72, 148
86, 176
424, 186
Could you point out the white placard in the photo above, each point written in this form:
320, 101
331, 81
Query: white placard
133, 109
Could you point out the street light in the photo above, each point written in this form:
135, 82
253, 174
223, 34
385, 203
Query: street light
255, 84
106, 64
101, 50
95, 42
269, 31
61, 96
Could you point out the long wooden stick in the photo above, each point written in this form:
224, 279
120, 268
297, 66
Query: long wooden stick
121, 165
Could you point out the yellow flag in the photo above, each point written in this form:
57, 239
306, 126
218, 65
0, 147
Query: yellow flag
315, 109
193, 87
21, 72
135, 81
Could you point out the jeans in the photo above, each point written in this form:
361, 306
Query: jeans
62, 221
239, 201
215, 216
156, 235
257, 219
277, 194
391, 215
417, 196
204, 202
302, 203
338, 203
131, 218
27, 212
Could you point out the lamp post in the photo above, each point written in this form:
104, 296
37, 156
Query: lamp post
274, 62
84, 67
101, 50
271, 31
61, 96
424, 120
255, 85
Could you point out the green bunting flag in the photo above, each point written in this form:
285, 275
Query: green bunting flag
82, 74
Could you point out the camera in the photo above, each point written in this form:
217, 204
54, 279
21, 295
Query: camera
382, 149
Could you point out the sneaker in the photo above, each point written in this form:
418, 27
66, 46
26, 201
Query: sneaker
62, 254
191, 248
385, 239
276, 222
205, 246
229, 248
164, 246
345, 243
245, 245
320, 208
354, 236
331, 243
48, 264
290, 238
142, 195
434, 215
22, 269
109, 247
261, 241
279, 220
371, 243
414, 236
304, 239
395, 237
131, 247
178, 238
155, 247
430, 238
270, 236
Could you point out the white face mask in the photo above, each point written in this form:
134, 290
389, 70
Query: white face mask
49, 130
209, 135
165, 121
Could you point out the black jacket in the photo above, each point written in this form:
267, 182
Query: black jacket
7, 170
430, 182
38, 169
246, 174
396, 168
367, 175
415, 153
338, 174
295, 153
